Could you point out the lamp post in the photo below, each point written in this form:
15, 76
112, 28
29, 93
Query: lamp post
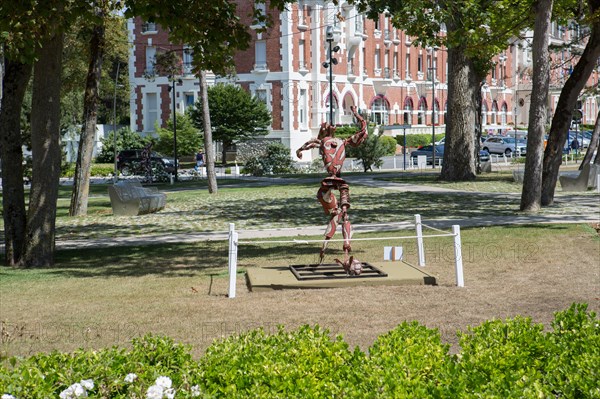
432, 71
116, 172
329, 65
172, 90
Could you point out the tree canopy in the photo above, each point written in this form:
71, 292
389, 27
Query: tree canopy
235, 115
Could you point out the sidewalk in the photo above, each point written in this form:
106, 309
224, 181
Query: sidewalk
582, 209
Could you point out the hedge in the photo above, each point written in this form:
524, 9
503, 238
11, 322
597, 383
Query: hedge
513, 358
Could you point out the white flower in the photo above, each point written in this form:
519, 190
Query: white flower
154, 392
87, 384
195, 390
7, 396
164, 382
170, 393
129, 378
74, 391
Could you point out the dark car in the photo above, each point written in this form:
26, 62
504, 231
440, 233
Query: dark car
130, 162
428, 152
484, 156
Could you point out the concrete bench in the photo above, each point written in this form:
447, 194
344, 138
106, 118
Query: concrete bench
130, 198
518, 175
580, 182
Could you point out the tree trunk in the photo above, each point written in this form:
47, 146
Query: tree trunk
209, 151
45, 134
594, 144
564, 108
459, 161
16, 78
81, 181
531, 194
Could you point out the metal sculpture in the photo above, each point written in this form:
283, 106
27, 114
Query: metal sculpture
333, 153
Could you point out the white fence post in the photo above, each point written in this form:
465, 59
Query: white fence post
460, 282
233, 248
420, 248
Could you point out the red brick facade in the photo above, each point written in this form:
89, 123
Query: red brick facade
379, 70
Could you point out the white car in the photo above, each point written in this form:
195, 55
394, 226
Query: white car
504, 145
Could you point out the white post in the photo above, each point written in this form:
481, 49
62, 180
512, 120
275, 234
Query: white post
420, 248
460, 282
233, 247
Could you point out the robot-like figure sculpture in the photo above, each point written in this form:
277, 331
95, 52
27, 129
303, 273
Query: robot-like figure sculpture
333, 153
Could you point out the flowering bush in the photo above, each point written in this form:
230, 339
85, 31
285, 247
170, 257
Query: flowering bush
498, 359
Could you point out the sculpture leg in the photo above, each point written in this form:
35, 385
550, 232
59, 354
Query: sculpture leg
329, 204
346, 227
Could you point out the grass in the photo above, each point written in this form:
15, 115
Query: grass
291, 203
97, 297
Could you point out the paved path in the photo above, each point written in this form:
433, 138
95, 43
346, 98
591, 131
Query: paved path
582, 209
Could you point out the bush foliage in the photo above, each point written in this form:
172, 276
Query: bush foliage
513, 358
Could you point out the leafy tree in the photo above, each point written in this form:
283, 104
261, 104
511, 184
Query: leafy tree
32, 33
561, 121
189, 139
126, 139
531, 193
235, 115
476, 31
372, 150
276, 159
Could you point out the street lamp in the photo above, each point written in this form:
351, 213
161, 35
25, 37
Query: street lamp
172, 90
116, 173
329, 65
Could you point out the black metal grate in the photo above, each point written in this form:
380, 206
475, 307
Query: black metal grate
331, 271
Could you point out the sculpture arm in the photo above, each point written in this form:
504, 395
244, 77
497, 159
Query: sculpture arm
359, 137
313, 143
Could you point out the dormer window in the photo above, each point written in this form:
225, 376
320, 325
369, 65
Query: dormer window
149, 27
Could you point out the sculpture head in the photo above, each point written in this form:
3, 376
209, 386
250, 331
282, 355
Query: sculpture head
326, 130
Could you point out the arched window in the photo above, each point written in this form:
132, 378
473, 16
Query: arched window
408, 110
436, 112
328, 109
422, 110
494, 113
504, 113
484, 111
380, 108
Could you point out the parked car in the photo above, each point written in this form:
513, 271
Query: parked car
484, 156
428, 152
583, 141
504, 145
129, 162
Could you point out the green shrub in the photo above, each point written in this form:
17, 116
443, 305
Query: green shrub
409, 362
305, 363
47, 375
502, 359
275, 160
572, 370
498, 359
99, 170
417, 140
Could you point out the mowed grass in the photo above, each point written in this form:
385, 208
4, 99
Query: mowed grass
288, 202
101, 297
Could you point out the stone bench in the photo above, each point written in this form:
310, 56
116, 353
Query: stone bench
130, 198
518, 175
587, 178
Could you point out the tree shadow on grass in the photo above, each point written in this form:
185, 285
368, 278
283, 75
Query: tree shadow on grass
165, 260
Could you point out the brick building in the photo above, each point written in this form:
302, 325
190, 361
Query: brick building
378, 69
